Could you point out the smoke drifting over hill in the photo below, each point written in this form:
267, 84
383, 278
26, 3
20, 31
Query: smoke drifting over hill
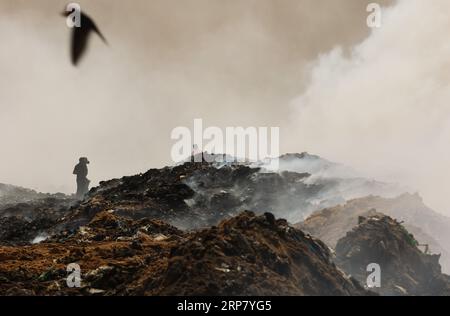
384, 108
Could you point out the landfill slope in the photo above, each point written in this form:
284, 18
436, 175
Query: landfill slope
11, 195
205, 229
245, 255
405, 269
429, 228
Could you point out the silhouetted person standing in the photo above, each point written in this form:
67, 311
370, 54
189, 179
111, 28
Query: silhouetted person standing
81, 171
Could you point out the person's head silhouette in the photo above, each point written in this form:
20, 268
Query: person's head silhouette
84, 160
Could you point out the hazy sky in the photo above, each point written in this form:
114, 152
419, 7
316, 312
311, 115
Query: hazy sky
232, 63
376, 101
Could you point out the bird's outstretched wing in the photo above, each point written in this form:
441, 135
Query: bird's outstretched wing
96, 30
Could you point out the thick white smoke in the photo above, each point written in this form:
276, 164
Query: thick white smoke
385, 107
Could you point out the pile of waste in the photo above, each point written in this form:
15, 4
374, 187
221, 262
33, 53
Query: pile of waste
196, 195
183, 231
188, 196
253, 255
33, 221
404, 269
10, 195
429, 228
245, 255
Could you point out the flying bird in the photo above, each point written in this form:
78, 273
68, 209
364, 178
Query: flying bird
80, 36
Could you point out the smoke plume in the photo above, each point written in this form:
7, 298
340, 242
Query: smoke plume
384, 107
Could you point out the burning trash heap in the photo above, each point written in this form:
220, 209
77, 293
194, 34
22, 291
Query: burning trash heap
197, 229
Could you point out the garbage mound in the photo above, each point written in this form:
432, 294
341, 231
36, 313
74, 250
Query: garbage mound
10, 194
405, 270
253, 255
188, 196
181, 231
245, 255
200, 194
106, 226
197, 195
331, 224
429, 228
25, 223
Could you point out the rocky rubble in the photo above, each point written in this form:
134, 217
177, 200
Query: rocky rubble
405, 270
